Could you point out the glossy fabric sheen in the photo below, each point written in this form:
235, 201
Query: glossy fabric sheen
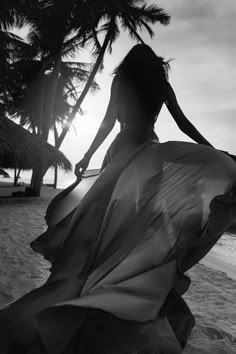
156, 207
121, 252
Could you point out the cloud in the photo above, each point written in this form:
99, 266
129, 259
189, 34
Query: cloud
200, 38
200, 22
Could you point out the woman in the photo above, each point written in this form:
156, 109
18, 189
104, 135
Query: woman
119, 257
139, 89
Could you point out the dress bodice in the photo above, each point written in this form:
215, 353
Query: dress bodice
131, 112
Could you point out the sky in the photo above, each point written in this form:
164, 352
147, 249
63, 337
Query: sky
201, 41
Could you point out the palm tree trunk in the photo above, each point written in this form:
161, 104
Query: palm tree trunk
51, 108
55, 177
56, 166
41, 109
15, 175
39, 172
36, 182
18, 175
85, 90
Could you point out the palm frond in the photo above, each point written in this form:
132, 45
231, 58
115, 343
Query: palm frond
143, 25
133, 18
72, 45
17, 13
113, 29
151, 14
131, 26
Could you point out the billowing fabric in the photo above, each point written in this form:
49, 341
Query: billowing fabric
119, 256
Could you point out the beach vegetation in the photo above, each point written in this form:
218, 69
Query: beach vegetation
44, 83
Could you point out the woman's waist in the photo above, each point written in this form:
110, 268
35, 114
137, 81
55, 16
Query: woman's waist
138, 134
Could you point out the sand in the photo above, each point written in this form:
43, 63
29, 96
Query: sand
211, 296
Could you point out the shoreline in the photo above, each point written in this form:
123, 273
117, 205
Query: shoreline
214, 261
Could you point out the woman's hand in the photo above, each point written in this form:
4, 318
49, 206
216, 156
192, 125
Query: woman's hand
81, 166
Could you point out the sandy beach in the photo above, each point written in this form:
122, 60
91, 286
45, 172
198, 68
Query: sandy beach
211, 296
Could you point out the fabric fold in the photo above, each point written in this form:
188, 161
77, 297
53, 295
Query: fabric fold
119, 256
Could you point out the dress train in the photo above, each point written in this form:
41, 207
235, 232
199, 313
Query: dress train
119, 256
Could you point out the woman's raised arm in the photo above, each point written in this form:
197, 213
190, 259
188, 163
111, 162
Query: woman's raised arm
104, 129
183, 123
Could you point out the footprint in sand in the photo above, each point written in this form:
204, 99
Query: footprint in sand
215, 334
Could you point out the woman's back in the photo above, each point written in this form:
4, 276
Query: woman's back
141, 87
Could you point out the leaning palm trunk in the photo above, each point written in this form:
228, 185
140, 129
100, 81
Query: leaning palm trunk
40, 109
55, 177
39, 171
51, 106
86, 88
56, 166
16, 175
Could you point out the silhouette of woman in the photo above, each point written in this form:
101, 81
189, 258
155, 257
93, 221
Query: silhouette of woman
139, 89
119, 256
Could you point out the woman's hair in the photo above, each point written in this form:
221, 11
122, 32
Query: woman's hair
147, 75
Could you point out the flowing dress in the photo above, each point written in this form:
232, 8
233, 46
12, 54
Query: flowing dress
119, 254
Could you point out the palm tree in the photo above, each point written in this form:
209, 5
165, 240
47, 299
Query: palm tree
64, 26
25, 93
61, 27
55, 33
60, 30
131, 17
25, 96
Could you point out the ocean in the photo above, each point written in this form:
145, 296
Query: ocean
64, 178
